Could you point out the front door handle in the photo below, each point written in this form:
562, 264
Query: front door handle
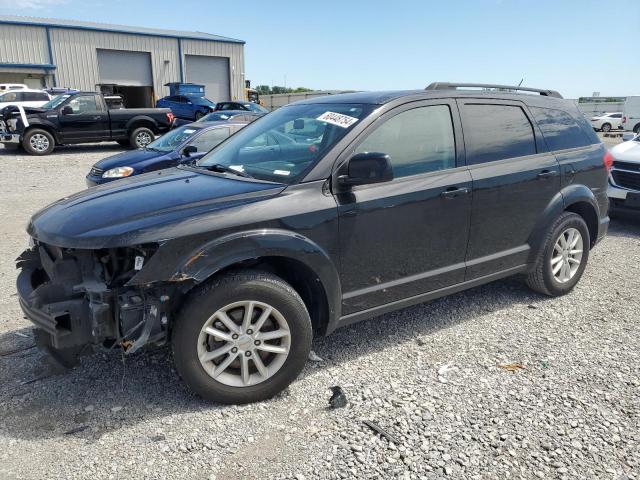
547, 174
453, 192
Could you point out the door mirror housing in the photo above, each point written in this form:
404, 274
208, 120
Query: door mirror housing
188, 150
66, 110
366, 168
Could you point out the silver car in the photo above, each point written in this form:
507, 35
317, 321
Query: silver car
624, 177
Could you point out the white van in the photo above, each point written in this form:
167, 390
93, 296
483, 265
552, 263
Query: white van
631, 114
25, 97
12, 86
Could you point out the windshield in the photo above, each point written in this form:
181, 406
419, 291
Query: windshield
284, 145
172, 139
254, 107
203, 101
55, 101
217, 116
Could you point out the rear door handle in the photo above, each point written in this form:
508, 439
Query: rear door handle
547, 174
453, 192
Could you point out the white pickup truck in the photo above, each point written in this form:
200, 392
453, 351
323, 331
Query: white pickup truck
624, 178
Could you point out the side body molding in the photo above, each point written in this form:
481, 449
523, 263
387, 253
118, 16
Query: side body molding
198, 265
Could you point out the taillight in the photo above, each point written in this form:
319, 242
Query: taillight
608, 161
170, 117
624, 119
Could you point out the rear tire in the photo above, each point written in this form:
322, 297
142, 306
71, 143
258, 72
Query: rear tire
606, 127
636, 129
141, 137
563, 257
240, 365
38, 142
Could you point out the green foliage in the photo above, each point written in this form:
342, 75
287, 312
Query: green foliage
275, 89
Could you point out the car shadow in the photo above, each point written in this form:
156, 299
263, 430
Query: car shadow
108, 391
107, 147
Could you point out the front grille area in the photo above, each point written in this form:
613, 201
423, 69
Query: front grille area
634, 167
626, 179
96, 172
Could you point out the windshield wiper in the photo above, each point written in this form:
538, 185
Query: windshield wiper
217, 167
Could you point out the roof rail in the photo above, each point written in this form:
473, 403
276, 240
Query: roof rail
454, 86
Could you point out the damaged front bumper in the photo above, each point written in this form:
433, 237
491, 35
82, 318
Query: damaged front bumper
75, 300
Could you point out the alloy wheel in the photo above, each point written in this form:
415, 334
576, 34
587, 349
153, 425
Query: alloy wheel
39, 142
567, 255
244, 343
143, 139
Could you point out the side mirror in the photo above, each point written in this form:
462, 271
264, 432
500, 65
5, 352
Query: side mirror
66, 110
298, 124
365, 168
188, 150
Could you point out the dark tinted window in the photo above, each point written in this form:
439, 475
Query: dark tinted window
560, 130
496, 132
35, 97
616, 115
418, 141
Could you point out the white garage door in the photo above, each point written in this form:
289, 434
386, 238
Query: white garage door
213, 73
122, 67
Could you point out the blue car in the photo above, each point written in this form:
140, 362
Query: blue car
189, 107
183, 144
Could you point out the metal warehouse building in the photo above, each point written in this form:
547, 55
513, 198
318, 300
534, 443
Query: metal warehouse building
136, 62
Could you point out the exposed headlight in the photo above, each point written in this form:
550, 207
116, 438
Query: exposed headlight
118, 172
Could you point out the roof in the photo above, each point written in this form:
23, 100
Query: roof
380, 98
105, 27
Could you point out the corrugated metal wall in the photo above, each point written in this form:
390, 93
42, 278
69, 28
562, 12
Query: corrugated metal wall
74, 54
20, 44
235, 52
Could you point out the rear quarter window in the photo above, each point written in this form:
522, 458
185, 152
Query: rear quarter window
561, 130
496, 132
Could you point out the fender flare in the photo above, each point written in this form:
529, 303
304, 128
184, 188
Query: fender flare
143, 119
200, 264
561, 201
49, 127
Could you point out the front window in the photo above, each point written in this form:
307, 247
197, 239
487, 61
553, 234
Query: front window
202, 101
254, 107
172, 139
55, 101
302, 135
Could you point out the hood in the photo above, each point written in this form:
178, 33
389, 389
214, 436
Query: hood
143, 209
130, 158
627, 151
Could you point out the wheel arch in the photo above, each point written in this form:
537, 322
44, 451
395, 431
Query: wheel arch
295, 258
42, 126
574, 198
141, 121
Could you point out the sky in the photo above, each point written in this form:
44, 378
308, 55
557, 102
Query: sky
576, 47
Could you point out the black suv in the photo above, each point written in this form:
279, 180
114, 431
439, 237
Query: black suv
320, 214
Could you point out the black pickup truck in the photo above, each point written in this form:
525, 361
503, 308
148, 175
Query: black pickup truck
80, 117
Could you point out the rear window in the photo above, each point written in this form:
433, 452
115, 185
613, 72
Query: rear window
496, 132
561, 130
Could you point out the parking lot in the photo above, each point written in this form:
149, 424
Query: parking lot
496, 382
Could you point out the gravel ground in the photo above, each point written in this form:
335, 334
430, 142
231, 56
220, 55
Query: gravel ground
432, 376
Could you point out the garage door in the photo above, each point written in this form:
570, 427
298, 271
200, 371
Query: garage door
213, 73
121, 67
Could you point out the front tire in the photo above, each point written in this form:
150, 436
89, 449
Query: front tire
563, 258
141, 137
606, 127
38, 142
199, 115
242, 338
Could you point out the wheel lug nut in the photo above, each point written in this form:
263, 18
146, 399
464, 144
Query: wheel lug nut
247, 354
234, 349
257, 342
249, 332
234, 336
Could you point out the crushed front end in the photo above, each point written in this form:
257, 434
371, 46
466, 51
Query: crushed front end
79, 298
